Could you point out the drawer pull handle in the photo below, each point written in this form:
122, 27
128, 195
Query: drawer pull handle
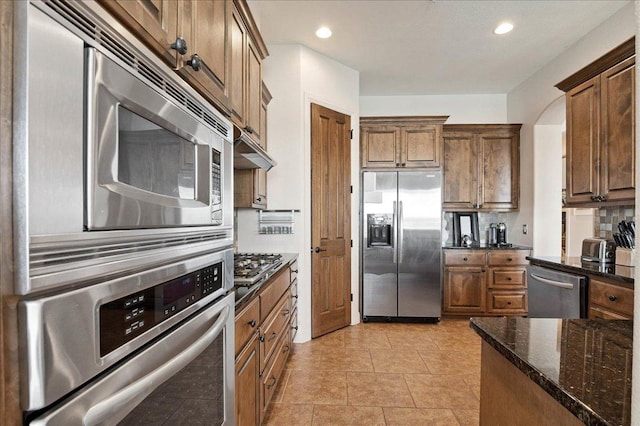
273, 336
509, 259
613, 297
272, 381
252, 323
465, 259
508, 303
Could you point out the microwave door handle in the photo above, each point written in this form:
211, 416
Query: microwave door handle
554, 283
131, 395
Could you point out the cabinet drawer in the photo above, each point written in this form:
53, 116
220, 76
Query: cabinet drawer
271, 377
464, 257
507, 257
272, 294
507, 302
247, 322
601, 313
507, 278
274, 326
611, 296
293, 271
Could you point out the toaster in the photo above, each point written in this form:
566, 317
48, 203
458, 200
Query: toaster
598, 250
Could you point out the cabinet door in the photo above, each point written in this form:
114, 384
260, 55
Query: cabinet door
155, 22
617, 134
204, 25
460, 176
253, 92
499, 178
380, 146
582, 141
464, 290
420, 146
247, 386
238, 37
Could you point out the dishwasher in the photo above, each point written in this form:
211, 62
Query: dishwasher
555, 294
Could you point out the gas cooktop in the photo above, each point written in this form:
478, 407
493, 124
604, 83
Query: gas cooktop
249, 268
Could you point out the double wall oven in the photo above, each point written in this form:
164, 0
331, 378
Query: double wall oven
124, 229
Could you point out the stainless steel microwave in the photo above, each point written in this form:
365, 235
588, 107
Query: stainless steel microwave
149, 162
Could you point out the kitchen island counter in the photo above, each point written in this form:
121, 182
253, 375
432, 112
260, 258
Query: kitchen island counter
622, 274
535, 369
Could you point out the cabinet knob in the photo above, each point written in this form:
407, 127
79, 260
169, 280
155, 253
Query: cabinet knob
249, 129
285, 312
195, 62
509, 279
509, 259
295, 296
273, 336
397, 164
259, 199
602, 198
613, 297
252, 323
272, 381
179, 45
294, 271
261, 338
465, 259
404, 164
295, 328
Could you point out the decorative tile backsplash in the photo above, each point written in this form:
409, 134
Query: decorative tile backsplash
607, 219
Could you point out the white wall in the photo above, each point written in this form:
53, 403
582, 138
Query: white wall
296, 77
526, 103
471, 109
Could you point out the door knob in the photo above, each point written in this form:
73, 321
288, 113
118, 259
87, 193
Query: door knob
318, 249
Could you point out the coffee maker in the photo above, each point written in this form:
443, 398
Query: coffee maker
501, 237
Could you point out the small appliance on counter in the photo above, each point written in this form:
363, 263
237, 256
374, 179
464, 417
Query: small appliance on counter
598, 250
497, 235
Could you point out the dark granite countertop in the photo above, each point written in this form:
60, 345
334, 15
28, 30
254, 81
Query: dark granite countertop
583, 364
485, 247
245, 294
623, 274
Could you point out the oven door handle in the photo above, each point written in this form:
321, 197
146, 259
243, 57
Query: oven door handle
133, 394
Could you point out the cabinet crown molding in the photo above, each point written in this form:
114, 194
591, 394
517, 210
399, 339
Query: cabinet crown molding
403, 120
515, 127
603, 63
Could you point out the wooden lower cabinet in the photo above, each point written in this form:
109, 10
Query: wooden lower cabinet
464, 290
609, 300
267, 324
485, 282
247, 384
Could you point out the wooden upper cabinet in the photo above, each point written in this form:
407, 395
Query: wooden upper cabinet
247, 53
601, 129
617, 88
401, 142
202, 29
155, 22
204, 26
582, 141
460, 170
481, 167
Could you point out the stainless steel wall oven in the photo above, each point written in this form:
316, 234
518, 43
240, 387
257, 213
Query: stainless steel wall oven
123, 228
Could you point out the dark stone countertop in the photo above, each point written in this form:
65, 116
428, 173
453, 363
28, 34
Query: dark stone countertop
244, 294
583, 364
485, 247
575, 265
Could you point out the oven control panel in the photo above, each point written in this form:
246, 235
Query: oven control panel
126, 318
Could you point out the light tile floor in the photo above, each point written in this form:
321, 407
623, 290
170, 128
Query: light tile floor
382, 374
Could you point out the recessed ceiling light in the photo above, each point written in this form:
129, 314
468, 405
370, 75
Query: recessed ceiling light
503, 28
323, 32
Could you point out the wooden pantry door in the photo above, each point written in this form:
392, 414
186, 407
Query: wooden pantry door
330, 220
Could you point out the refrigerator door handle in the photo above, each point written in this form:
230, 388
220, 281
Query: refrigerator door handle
395, 234
401, 231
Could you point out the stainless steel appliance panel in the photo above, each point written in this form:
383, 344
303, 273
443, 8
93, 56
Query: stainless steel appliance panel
53, 327
401, 244
114, 202
555, 294
419, 244
380, 271
55, 117
185, 378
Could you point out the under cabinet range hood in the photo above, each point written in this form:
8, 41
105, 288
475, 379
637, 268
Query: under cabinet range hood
249, 155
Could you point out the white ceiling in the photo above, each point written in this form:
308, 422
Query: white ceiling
434, 47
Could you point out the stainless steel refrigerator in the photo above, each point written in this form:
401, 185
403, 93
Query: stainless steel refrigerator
401, 247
